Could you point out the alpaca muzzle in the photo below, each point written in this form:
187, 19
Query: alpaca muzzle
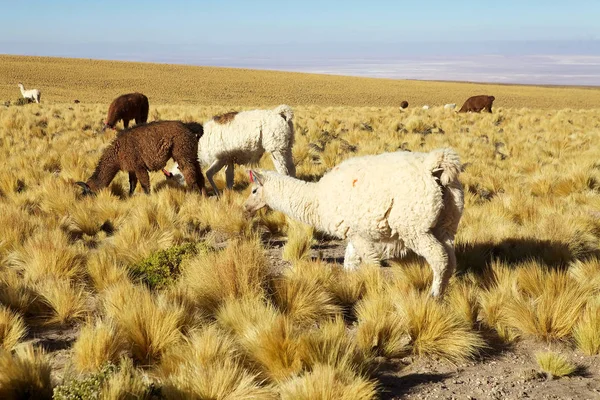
86, 191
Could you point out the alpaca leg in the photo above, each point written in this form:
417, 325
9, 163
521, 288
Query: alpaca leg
215, 167
229, 175
435, 254
361, 250
447, 240
132, 182
351, 258
284, 162
144, 178
193, 176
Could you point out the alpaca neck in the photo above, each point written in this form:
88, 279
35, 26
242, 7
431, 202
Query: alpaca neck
22, 90
293, 197
105, 171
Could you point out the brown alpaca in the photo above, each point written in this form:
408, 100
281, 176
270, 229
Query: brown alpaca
127, 107
148, 148
404, 104
478, 103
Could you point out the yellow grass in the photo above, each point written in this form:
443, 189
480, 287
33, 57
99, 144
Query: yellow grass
25, 374
554, 365
325, 382
12, 329
587, 330
99, 342
94, 81
300, 238
236, 325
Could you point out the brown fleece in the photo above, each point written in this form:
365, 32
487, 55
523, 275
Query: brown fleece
127, 107
478, 103
225, 118
148, 148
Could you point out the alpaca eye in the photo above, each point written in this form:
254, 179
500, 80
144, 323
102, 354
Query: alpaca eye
254, 191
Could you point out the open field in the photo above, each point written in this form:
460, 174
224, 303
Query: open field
92, 81
177, 296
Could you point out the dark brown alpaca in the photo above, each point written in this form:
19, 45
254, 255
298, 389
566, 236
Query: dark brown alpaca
127, 107
148, 148
478, 103
404, 104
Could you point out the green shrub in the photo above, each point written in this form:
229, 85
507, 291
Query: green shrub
86, 388
161, 268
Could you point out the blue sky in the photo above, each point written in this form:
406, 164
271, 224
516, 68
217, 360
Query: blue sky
316, 36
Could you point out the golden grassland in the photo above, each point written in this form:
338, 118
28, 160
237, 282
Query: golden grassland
93, 81
230, 324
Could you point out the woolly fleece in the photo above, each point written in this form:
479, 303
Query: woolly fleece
382, 204
245, 139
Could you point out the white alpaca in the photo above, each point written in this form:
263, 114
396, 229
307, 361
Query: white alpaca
425, 107
381, 204
31, 94
450, 106
242, 138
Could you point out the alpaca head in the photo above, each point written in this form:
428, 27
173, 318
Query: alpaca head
21, 86
86, 190
106, 126
256, 200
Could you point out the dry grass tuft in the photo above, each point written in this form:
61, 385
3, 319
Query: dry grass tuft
98, 343
587, 273
303, 298
219, 380
587, 330
380, 330
25, 374
126, 384
300, 239
19, 295
203, 347
462, 299
273, 349
12, 329
546, 304
415, 274
326, 382
149, 326
237, 271
436, 330
48, 256
554, 365
330, 344
104, 270
67, 302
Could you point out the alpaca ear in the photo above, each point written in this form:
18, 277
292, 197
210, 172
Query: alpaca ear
255, 177
86, 189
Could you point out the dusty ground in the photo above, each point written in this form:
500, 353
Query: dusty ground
508, 372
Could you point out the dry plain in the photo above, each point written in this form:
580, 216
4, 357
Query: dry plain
176, 296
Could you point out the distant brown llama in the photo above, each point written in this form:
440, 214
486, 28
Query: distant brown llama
127, 107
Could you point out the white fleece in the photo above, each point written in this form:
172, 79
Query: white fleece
382, 205
32, 94
245, 139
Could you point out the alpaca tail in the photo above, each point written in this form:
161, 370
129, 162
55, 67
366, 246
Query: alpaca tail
444, 164
195, 127
285, 111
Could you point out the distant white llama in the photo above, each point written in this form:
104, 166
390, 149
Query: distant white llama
31, 94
